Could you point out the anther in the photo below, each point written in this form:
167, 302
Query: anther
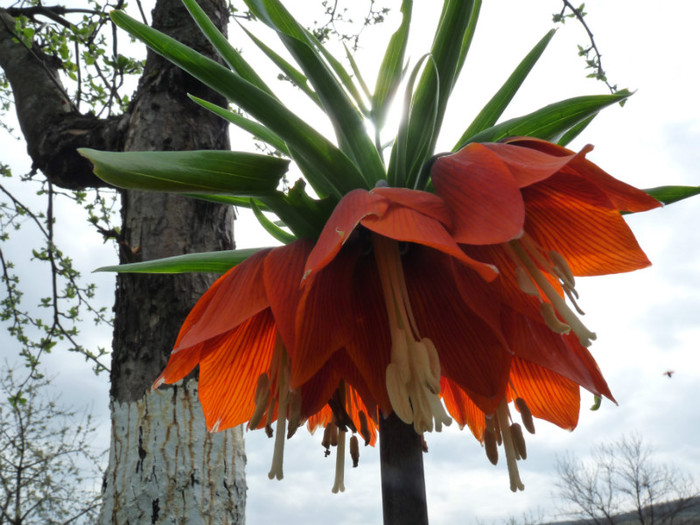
491, 446
262, 398
518, 441
552, 321
294, 412
525, 415
562, 269
525, 283
354, 451
326, 441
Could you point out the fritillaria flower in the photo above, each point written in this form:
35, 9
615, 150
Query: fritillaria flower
458, 301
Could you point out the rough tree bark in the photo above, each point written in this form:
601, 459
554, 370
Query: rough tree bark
163, 465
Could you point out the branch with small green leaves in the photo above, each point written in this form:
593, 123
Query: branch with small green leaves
589, 52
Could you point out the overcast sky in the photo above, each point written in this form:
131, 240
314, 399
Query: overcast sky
647, 322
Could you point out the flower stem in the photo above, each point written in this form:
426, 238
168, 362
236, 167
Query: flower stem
403, 482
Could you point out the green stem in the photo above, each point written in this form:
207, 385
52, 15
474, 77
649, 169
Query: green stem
403, 482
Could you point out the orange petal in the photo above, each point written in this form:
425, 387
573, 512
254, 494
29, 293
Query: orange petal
404, 224
427, 204
548, 395
506, 286
533, 341
624, 196
234, 297
338, 371
471, 354
282, 273
324, 318
370, 346
529, 165
180, 363
593, 240
462, 408
351, 209
228, 376
482, 195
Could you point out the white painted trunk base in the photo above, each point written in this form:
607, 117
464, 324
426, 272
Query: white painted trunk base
165, 468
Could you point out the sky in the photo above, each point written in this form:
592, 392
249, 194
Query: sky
647, 321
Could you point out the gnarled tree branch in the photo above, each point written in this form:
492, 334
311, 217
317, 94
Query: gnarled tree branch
52, 128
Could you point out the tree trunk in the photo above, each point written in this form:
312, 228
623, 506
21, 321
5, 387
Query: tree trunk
163, 465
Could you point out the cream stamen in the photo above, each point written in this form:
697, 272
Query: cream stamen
339, 483
585, 336
276, 470
413, 375
510, 448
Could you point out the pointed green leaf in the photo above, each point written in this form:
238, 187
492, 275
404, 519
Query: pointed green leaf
214, 262
468, 37
208, 171
435, 85
356, 71
243, 202
299, 212
232, 57
576, 130
254, 128
550, 122
347, 122
671, 194
330, 173
392, 67
296, 76
271, 228
343, 75
493, 110
413, 142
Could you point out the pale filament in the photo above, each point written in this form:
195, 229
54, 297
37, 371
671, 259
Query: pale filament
523, 252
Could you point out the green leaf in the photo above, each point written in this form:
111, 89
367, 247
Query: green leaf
392, 67
302, 214
331, 173
408, 151
343, 75
296, 76
576, 130
435, 85
214, 262
356, 71
550, 122
349, 127
495, 107
467, 39
209, 171
254, 128
243, 202
271, 228
232, 57
671, 194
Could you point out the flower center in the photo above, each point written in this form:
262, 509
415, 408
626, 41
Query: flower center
530, 263
413, 374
